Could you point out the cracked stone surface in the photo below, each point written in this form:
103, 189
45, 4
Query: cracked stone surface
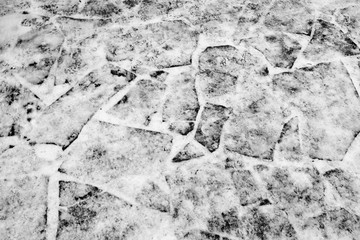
179, 120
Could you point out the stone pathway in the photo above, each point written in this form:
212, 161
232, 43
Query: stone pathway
179, 119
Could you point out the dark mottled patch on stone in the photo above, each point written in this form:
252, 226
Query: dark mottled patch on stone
188, 152
210, 128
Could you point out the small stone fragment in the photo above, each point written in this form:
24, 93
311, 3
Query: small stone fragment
210, 127
289, 142
190, 151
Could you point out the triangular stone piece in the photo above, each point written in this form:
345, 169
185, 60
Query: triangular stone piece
289, 142
190, 151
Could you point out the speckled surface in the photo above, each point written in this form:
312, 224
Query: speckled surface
179, 120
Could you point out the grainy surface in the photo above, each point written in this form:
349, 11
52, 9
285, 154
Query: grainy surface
179, 120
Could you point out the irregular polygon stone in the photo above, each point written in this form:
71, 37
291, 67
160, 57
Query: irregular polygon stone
329, 42
62, 7
116, 152
345, 183
23, 206
330, 104
200, 193
255, 130
163, 44
140, 103
17, 106
332, 224
299, 190
291, 16
181, 105
61, 122
266, 223
349, 18
210, 127
190, 151
289, 141
103, 216
279, 49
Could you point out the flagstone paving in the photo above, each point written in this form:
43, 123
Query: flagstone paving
179, 120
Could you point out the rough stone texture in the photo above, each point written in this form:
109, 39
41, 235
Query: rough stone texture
279, 49
117, 152
18, 105
190, 151
329, 42
210, 127
23, 207
179, 119
164, 44
103, 216
290, 16
141, 103
61, 122
289, 147
331, 123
